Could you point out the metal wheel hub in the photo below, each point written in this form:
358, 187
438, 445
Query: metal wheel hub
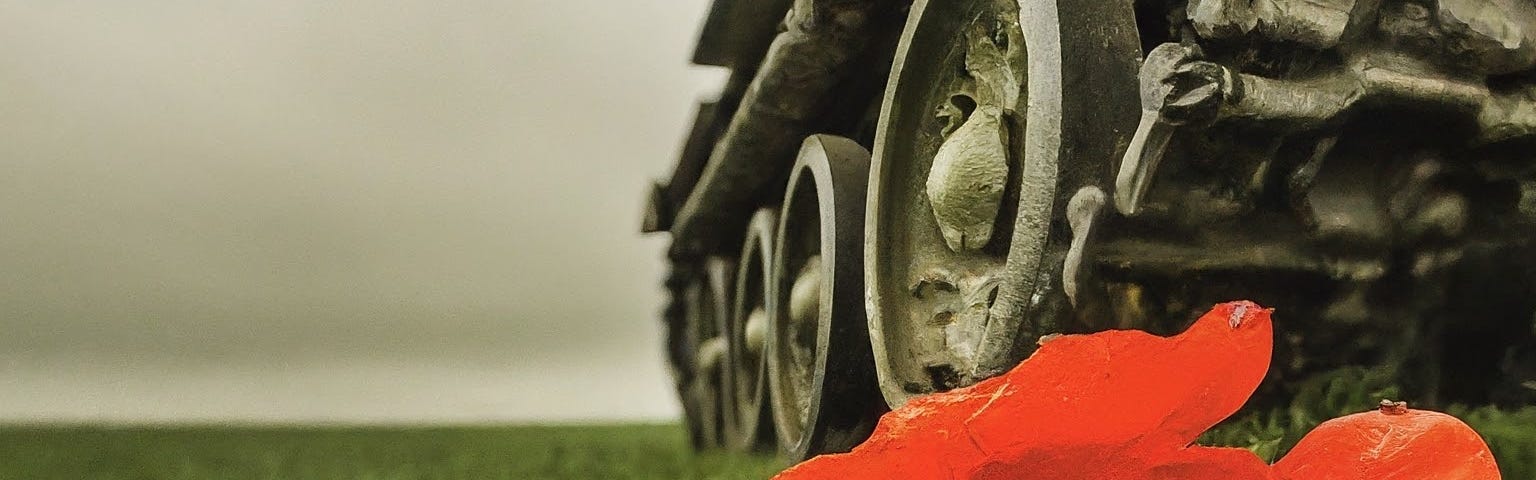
981, 141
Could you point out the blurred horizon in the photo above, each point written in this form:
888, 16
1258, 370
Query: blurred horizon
396, 212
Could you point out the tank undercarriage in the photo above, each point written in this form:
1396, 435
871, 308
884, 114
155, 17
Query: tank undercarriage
890, 199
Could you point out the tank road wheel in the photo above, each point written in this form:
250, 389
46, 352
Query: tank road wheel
821, 387
997, 113
746, 350
708, 306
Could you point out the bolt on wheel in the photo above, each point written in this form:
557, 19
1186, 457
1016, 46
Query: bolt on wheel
821, 388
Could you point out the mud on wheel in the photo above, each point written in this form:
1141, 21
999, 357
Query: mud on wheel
989, 127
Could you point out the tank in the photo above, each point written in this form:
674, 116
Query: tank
890, 199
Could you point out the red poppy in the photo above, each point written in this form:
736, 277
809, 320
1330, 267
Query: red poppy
1128, 405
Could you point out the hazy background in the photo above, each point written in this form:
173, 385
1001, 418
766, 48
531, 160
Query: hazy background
339, 211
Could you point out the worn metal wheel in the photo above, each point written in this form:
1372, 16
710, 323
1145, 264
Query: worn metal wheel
708, 307
821, 387
746, 351
996, 113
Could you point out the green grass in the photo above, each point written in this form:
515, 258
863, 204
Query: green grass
237, 453
522, 453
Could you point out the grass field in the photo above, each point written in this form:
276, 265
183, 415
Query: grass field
522, 453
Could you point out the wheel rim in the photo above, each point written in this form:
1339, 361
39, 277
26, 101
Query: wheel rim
707, 310
821, 389
748, 331
963, 75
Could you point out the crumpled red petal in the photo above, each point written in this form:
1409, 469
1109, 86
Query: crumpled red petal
1125, 405
1390, 445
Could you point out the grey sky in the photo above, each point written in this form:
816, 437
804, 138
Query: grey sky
354, 210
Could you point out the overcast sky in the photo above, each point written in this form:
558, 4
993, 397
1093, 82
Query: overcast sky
342, 211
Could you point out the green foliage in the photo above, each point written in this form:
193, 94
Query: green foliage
1335, 394
1264, 433
1510, 434
1272, 432
522, 453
